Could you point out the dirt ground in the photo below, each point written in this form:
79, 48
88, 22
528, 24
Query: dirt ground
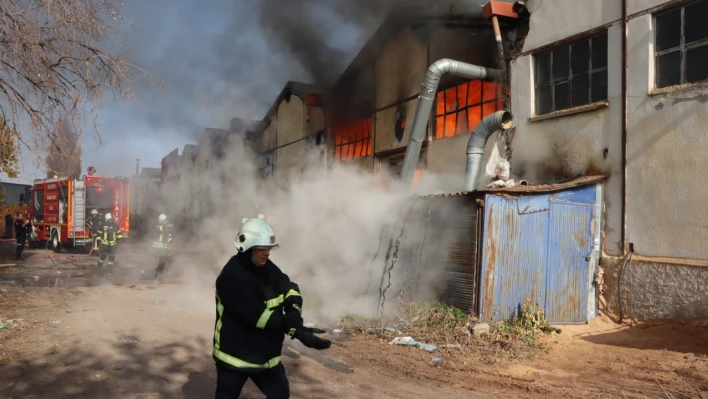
150, 340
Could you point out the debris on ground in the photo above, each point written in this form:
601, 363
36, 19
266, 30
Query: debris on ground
389, 329
422, 345
479, 330
437, 326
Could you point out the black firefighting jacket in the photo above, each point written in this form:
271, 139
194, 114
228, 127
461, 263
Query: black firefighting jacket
250, 306
94, 224
110, 233
163, 236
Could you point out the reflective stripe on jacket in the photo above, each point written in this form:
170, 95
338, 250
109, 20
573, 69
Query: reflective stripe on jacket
110, 233
250, 307
163, 237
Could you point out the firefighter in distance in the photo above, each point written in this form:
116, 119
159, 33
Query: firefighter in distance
162, 244
110, 236
256, 306
94, 224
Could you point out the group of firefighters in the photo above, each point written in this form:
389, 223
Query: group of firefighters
106, 235
257, 305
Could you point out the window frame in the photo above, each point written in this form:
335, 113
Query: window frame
552, 83
682, 48
345, 141
497, 100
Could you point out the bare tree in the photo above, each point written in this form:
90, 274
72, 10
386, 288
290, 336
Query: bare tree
8, 151
64, 157
56, 63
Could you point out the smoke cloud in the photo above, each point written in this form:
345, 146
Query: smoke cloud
345, 240
340, 233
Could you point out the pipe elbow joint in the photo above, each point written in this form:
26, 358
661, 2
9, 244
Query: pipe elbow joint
489, 124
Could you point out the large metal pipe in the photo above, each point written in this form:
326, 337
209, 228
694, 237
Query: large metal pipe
478, 140
425, 104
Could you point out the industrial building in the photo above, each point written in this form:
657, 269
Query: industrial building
608, 99
14, 193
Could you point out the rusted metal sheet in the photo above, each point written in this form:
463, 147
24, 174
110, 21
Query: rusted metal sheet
537, 247
569, 246
513, 258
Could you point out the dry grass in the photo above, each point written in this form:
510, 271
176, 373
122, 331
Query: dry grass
436, 323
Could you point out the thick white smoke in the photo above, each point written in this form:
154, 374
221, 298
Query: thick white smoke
329, 224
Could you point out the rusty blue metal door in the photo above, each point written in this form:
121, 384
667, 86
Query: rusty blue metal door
569, 246
514, 255
536, 247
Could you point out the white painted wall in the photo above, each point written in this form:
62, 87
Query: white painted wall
554, 20
636, 6
667, 134
667, 143
571, 145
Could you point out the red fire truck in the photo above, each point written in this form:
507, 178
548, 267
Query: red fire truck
60, 208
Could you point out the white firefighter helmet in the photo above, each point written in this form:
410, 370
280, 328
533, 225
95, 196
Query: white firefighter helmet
94, 212
255, 233
109, 216
161, 218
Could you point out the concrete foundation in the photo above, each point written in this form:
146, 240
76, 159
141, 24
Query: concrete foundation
655, 289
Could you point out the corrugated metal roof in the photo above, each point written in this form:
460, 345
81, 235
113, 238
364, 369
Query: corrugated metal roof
537, 188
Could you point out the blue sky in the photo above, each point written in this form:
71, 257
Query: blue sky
216, 62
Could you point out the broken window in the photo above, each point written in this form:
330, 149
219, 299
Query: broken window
353, 140
571, 75
267, 164
459, 109
681, 45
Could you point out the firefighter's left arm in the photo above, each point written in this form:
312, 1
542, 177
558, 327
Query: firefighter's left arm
293, 299
119, 234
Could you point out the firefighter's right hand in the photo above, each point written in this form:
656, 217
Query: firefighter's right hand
312, 341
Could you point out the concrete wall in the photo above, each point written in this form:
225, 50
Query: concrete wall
289, 160
665, 167
655, 290
288, 134
400, 68
636, 6
290, 121
567, 146
385, 137
268, 137
555, 20
143, 190
666, 145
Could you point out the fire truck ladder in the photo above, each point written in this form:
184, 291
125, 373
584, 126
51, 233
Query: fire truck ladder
78, 216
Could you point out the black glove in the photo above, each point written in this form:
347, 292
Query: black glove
313, 330
291, 323
311, 340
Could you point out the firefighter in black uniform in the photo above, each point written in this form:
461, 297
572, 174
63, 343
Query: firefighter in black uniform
256, 305
94, 224
162, 244
110, 234
20, 234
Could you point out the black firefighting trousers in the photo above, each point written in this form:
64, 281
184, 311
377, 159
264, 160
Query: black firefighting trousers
20, 246
273, 383
107, 251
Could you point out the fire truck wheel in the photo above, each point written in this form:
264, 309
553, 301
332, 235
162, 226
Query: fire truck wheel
56, 245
